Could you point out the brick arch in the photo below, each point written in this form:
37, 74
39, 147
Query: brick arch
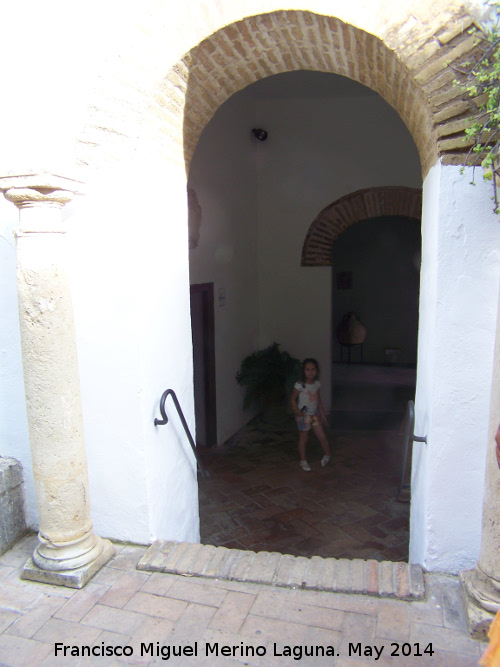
355, 207
142, 107
414, 77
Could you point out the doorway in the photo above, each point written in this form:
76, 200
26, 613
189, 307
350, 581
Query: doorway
257, 198
203, 333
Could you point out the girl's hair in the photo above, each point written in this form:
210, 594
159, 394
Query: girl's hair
309, 360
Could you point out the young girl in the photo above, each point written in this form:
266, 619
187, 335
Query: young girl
307, 406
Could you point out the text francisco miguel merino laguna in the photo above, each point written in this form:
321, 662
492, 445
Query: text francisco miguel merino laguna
165, 651
297, 652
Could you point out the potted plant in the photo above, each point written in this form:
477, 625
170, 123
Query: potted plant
268, 377
482, 83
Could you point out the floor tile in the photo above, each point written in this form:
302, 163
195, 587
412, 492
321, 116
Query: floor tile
258, 498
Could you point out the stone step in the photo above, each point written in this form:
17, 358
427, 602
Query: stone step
386, 579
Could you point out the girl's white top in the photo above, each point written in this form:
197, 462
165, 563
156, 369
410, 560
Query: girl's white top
308, 397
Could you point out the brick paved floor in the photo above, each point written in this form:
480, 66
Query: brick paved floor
124, 607
258, 498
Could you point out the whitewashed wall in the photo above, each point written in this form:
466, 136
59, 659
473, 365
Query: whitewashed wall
223, 176
130, 270
458, 315
131, 303
128, 262
14, 439
319, 150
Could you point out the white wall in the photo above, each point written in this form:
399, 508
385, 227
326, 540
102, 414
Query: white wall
130, 277
129, 271
318, 150
128, 266
223, 176
458, 315
14, 440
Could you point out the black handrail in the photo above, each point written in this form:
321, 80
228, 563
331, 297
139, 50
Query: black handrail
161, 422
409, 436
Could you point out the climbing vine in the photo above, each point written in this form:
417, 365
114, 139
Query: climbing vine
482, 82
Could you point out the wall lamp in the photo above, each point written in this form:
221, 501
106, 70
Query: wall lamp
259, 133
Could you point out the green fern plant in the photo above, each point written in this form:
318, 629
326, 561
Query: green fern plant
268, 377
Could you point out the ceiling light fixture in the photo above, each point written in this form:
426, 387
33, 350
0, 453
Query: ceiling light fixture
259, 133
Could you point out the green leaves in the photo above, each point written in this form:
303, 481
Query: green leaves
268, 376
483, 81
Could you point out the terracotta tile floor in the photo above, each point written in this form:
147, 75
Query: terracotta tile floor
258, 498
122, 606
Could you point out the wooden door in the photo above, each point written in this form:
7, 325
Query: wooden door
203, 333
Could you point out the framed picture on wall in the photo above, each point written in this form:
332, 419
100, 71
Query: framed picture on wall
344, 280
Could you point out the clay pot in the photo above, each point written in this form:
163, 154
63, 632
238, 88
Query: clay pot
350, 331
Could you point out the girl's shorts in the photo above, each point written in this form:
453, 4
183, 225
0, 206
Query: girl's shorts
304, 422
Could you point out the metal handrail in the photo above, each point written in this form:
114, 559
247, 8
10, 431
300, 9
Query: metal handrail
409, 436
164, 420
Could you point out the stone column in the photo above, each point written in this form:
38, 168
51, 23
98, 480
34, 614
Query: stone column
481, 586
68, 553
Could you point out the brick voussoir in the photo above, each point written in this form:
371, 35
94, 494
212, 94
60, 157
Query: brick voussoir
242, 565
342, 582
314, 572
372, 577
188, 558
298, 573
271, 565
360, 577
386, 585
146, 560
402, 577
417, 585
202, 561
284, 570
263, 568
327, 578
232, 559
254, 570
173, 556
214, 567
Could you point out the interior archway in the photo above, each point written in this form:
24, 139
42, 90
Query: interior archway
357, 206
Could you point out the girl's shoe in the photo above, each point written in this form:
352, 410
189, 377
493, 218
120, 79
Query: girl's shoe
325, 460
305, 466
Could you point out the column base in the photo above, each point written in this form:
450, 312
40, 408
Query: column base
76, 578
478, 617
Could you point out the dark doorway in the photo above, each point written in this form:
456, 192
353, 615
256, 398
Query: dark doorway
381, 258
202, 326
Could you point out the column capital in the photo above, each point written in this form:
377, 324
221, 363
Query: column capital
39, 189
